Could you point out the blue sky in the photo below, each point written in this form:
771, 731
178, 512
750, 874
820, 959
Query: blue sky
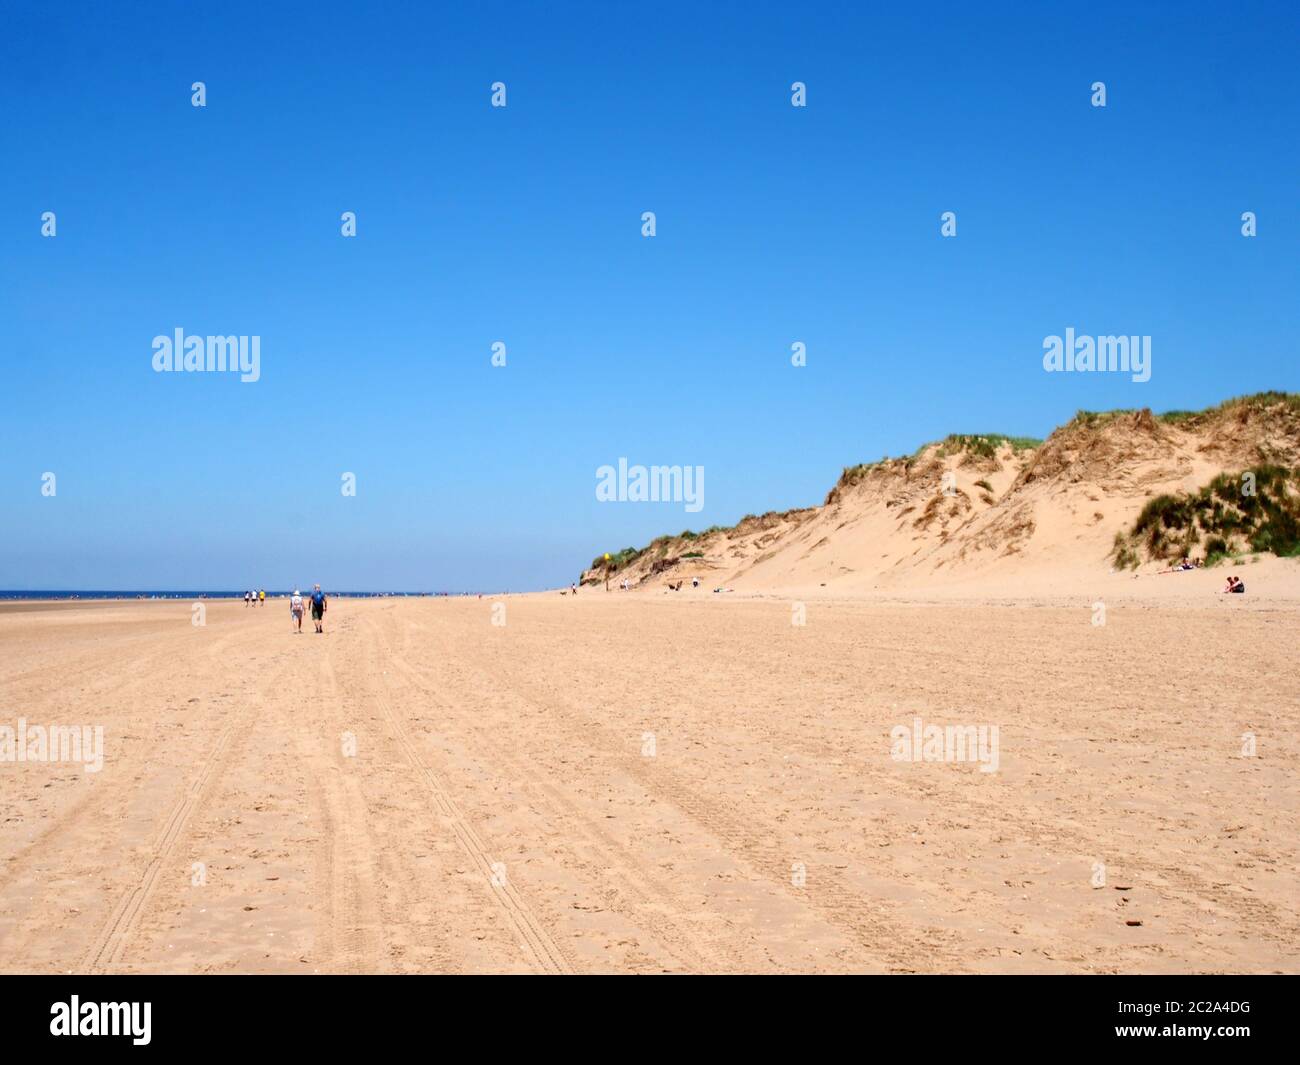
522, 224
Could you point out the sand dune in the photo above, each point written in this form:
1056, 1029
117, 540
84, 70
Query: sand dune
643, 784
986, 513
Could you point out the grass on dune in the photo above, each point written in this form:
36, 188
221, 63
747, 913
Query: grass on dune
1253, 401
1257, 510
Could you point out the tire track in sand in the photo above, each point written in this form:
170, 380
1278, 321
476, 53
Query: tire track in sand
115, 936
136, 676
639, 896
351, 937
541, 950
757, 845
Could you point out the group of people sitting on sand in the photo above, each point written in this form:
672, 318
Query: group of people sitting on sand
1234, 584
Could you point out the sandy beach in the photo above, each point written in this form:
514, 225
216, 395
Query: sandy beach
655, 783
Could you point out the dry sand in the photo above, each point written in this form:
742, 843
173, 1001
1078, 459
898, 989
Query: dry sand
505, 812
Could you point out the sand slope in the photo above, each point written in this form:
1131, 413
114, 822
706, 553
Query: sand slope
951, 516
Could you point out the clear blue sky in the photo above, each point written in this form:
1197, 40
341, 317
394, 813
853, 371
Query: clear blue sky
477, 224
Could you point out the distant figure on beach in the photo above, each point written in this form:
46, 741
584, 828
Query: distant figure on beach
695, 582
248, 599
1235, 584
261, 597
318, 606
295, 610
573, 588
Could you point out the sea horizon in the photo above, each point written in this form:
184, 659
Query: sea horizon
173, 593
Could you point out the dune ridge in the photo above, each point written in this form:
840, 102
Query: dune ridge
989, 508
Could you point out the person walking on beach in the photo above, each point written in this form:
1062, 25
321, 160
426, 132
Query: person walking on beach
248, 599
295, 610
261, 597
319, 604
